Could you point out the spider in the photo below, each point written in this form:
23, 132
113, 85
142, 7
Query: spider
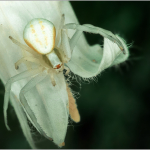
50, 52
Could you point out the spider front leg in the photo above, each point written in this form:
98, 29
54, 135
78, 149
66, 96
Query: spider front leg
64, 46
30, 59
26, 48
37, 61
65, 50
95, 30
17, 77
61, 24
52, 77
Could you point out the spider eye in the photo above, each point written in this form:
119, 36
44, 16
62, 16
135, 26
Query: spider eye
39, 34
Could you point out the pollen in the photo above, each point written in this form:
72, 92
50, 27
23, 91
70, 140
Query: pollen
94, 60
73, 111
62, 144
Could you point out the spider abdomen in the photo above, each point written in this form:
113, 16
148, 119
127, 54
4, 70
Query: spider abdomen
39, 34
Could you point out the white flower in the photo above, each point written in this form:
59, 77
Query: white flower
48, 103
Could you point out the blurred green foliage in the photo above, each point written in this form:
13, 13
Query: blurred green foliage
115, 110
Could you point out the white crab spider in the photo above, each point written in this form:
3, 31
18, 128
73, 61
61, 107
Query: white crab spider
49, 53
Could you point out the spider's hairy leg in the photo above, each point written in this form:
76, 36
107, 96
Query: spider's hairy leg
52, 77
96, 30
30, 59
61, 24
15, 78
73, 41
28, 49
33, 82
65, 47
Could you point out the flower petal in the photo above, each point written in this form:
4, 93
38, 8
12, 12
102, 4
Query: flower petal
23, 120
88, 61
49, 105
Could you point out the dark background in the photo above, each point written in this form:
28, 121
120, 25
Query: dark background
115, 110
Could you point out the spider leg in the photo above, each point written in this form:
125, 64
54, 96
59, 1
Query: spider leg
64, 43
73, 41
59, 30
52, 77
30, 59
95, 30
38, 61
28, 49
33, 82
65, 46
15, 78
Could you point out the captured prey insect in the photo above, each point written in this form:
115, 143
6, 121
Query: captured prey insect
51, 53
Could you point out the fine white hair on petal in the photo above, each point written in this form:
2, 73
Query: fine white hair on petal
121, 57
